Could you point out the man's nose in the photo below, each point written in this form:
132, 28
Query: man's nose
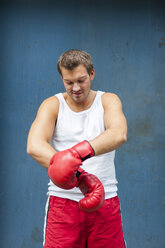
76, 87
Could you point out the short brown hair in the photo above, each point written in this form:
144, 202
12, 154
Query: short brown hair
74, 57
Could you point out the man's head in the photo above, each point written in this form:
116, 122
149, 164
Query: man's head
77, 72
73, 58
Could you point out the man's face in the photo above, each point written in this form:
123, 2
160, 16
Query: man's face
77, 82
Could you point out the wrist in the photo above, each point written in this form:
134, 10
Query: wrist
84, 149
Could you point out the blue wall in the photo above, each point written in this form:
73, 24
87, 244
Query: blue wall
127, 42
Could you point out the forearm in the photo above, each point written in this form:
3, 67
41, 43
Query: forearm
42, 152
108, 141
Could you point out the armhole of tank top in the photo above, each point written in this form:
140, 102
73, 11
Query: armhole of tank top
100, 99
63, 103
60, 98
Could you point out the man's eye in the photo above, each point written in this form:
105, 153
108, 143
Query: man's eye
69, 83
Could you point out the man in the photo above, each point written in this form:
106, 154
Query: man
75, 135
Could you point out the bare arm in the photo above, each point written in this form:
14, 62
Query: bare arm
116, 127
41, 132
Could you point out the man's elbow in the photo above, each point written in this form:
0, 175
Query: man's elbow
30, 150
123, 137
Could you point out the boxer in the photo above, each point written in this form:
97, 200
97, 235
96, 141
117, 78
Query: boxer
75, 135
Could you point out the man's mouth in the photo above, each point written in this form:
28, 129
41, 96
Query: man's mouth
77, 93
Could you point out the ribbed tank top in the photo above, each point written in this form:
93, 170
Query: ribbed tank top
73, 127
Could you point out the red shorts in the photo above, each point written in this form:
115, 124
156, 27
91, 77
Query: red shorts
69, 227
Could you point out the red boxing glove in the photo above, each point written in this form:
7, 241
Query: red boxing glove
93, 190
65, 164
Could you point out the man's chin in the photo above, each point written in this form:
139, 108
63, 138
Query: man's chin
78, 98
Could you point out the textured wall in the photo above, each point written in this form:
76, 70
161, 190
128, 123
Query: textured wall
127, 42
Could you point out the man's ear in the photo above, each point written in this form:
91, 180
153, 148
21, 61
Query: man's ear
92, 74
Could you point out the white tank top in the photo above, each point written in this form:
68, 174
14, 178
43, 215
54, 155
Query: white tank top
73, 127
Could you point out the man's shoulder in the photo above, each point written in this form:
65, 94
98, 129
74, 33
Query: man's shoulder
109, 96
50, 104
110, 101
51, 100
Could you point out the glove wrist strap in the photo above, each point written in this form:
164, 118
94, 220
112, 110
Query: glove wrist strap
84, 149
